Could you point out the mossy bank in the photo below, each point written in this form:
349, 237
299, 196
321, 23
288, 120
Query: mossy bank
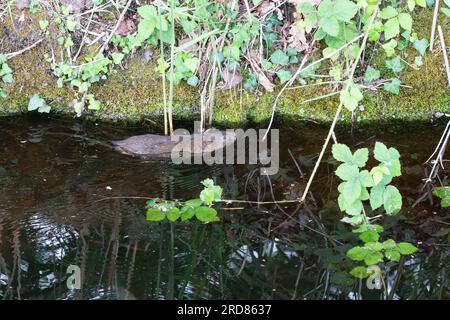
135, 90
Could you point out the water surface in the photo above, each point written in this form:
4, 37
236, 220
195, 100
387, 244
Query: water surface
61, 205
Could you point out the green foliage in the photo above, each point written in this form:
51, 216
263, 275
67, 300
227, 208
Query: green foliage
444, 194
201, 209
6, 75
362, 185
39, 104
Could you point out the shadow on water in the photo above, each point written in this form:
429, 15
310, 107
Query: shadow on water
51, 218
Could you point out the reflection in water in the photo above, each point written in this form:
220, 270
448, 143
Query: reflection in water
51, 218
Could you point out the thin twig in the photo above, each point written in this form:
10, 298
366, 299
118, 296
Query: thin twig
14, 54
433, 25
444, 52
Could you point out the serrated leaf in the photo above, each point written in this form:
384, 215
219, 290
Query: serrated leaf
357, 253
369, 236
341, 152
392, 200
347, 172
392, 255
279, 57
376, 196
373, 258
360, 157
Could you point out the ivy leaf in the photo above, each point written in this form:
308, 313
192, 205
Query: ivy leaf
371, 74
406, 248
155, 215
391, 28
284, 76
389, 47
351, 97
8, 78
395, 64
393, 86
117, 57
421, 46
279, 57
392, 200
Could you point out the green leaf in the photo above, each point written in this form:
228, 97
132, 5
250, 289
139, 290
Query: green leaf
371, 74
155, 215
359, 272
330, 25
446, 11
206, 214
406, 248
369, 236
117, 57
373, 258
146, 28
391, 28
279, 57
43, 24
347, 172
445, 202
342, 153
392, 200
36, 102
351, 97
71, 25
376, 196
344, 10
395, 64
389, 47
388, 13
194, 203
173, 214
352, 190
187, 213
284, 76
405, 21
411, 4
360, 157
232, 52
147, 12
393, 86
421, 3
421, 46
392, 255
8, 78
358, 253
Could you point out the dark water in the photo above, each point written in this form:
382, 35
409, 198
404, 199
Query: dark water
51, 181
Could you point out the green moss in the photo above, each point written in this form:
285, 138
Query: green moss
135, 92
